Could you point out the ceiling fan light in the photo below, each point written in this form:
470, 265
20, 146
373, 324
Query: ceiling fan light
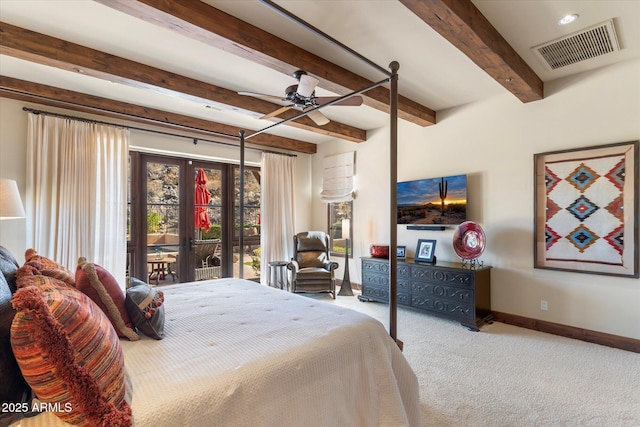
568, 19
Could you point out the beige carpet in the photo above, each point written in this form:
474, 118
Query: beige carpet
510, 376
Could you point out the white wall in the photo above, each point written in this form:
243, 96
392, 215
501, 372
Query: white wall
494, 142
13, 154
13, 137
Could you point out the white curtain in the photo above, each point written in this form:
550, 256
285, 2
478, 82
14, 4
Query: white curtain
337, 178
277, 217
77, 192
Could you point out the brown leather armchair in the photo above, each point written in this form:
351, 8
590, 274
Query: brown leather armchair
311, 268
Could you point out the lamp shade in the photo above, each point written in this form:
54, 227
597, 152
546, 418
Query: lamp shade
10, 202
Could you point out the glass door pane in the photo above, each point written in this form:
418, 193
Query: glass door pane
208, 220
163, 218
251, 252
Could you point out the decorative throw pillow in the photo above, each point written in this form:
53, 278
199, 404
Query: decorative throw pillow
29, 275
49, 267
8, 266
13, 387
70, 354
99, 285
146, 309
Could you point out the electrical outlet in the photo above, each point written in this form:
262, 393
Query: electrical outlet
544, 305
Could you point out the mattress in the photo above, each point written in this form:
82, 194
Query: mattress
237, 353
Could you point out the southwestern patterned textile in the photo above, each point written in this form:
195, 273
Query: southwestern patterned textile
588, 197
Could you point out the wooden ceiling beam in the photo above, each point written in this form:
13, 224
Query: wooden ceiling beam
76, 101
40, 48
462, 24
200, 21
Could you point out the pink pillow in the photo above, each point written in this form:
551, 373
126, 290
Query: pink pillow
99, 285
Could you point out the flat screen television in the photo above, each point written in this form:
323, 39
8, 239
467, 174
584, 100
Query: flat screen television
437, 201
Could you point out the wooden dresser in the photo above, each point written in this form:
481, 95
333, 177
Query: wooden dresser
446, 289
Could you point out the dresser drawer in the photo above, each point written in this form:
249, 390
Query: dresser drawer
370, 266
457, 310
404, 298
433, 290
403, 270
374, 279
377, 286
377, 293
443, 276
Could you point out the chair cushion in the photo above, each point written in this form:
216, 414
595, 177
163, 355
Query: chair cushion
312, 259
70, 354
312, 241
313, 273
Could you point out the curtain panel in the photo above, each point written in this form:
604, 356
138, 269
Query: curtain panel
277, 211
76, 197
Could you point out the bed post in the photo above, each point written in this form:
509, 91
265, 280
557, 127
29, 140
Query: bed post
393, 149
241, 220
393, 220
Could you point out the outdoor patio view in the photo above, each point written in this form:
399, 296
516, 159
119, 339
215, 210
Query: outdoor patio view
211, 247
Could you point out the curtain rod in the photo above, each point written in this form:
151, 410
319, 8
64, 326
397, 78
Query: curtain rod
194, 139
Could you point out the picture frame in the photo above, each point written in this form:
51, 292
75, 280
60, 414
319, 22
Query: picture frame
401, 252
426, 250
586, 210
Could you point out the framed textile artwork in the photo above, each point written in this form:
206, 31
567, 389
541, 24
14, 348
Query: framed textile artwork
586, 210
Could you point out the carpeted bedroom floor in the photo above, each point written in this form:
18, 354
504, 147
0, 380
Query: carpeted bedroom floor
509, 376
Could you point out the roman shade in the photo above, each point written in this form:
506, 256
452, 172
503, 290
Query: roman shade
337, 178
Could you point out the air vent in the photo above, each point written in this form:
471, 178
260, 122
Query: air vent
580, 46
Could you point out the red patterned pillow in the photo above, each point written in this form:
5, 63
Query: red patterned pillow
70, 355
48, 267
99, 285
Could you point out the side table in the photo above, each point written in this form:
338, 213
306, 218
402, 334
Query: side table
278, 277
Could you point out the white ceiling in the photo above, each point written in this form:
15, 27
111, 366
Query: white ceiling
432, 72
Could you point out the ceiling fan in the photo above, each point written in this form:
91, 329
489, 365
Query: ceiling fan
302, 97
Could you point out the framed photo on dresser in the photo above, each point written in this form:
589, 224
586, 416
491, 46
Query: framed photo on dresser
401, 252
426, 250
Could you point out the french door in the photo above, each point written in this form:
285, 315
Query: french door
181, 233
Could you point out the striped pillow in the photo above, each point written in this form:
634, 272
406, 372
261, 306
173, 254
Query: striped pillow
70, 355
49, 267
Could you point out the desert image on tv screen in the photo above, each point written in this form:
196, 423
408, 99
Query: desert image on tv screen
433, 201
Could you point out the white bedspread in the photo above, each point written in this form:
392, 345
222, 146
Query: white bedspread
237, 353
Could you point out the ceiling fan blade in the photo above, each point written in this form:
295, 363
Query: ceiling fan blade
276, 112
307, 85
264, 96
352, 101
319, 118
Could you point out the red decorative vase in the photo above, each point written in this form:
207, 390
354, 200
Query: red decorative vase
379, 251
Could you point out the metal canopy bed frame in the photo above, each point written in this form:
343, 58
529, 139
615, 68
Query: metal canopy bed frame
392, 78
